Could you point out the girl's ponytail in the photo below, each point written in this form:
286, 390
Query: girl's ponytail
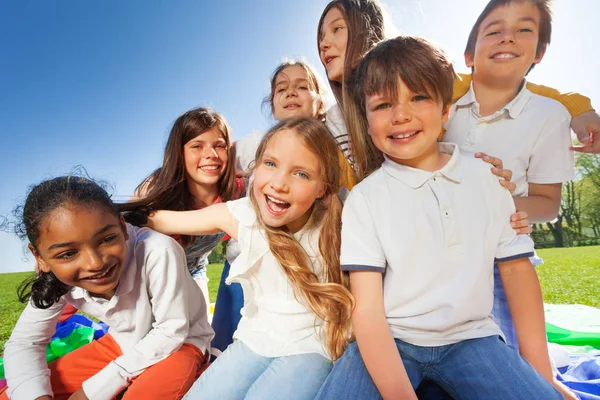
44, 289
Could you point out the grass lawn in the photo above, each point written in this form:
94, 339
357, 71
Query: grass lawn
568, 276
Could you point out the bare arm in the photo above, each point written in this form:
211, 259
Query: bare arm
212, 219
542, 203
524, 297
374, 338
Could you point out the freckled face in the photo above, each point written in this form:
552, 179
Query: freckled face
84, 247
287, 182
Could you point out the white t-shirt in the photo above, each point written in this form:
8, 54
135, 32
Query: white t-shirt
334, 120
531, 135
156, 308
434, 236
274, 323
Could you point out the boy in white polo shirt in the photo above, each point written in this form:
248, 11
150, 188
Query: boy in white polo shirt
419, 238
499, 116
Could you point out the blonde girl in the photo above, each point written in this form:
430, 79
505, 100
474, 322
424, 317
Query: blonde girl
296, 307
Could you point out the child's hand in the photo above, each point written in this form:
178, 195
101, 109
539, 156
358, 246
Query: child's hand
520, 223
565, 391
506, 174
587, 128
78, 395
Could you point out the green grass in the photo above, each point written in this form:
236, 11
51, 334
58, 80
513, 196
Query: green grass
571, 275
568, 276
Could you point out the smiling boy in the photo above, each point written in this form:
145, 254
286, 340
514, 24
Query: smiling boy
501, 117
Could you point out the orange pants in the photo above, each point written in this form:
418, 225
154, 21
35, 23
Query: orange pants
171, 378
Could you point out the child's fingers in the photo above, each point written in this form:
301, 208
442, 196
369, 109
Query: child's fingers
508, 184
496, 162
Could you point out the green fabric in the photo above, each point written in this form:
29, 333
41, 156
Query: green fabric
573, 325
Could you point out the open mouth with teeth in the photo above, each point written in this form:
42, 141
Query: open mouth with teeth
276, 206
103, 275
291, 106
210, 168
406, 136
504, 56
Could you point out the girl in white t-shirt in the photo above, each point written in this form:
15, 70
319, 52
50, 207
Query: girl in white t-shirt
134, 279
296, 314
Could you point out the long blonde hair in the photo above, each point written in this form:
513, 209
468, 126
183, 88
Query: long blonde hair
330, 300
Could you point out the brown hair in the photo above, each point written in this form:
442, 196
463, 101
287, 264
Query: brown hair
313, 81
422, 67
545, 32
166, 188
365, 29
330, 300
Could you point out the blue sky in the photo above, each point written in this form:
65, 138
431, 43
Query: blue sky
99, 84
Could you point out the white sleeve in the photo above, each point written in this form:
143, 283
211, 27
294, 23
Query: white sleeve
551, 160
245, 151
167, 271
27, 373
361, 249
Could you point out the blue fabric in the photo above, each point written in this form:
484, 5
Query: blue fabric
582, 376
230, 300
63, 329
484, 368
240, 373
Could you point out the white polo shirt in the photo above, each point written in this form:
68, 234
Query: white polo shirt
434, 236
157, 307
531, 135
274, 323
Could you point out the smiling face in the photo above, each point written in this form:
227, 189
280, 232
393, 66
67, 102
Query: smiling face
406, 129
507, 43
333, 42
294, 95
205, 158
287, 181
84, 247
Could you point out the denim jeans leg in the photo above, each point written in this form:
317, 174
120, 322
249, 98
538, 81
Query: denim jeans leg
349, 379
296, 377
487, 368
230, 300
230, 376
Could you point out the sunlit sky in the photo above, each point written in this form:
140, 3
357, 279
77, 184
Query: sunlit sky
99, 84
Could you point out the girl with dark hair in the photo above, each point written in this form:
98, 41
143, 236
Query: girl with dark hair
296, 304
197, 171
134, 279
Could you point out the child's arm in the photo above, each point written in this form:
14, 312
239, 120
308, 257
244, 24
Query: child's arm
587, 128
375, 341
212, 219
542, 203
27, 372
524, 297
170, 297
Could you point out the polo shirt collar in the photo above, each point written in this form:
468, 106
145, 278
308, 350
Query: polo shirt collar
127, 278
416, 178
514, 107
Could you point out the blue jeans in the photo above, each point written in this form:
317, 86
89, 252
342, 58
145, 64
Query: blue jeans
484, 368
240, 373
230, 300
